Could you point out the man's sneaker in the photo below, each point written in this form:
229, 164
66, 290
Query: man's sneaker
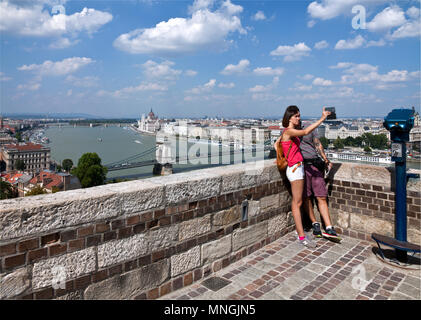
331, 234
316, 230
308, 243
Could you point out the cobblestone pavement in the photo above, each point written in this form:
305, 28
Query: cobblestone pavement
286, 270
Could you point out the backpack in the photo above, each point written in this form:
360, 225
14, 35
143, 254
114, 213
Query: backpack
281, 160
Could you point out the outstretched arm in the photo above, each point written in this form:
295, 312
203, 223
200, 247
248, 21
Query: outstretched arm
310, 128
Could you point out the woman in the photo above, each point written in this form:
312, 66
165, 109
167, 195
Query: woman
295, 171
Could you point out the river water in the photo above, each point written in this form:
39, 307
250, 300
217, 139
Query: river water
115, 143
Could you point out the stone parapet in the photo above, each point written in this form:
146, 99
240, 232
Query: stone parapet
143, 239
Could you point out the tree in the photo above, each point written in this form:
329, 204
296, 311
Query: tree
67, 164
36, 191
338, 143
6, 190
367, 149
90, 171
20, 165
325, 142
18, 136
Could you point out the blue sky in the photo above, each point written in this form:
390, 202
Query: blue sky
222, 58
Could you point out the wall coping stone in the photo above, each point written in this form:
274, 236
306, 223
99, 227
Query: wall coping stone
24, 217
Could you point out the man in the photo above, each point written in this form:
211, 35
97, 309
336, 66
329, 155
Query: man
311, 148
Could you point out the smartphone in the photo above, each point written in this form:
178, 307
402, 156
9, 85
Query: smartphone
332, 115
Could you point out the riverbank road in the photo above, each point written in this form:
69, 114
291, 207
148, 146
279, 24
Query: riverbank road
285, 270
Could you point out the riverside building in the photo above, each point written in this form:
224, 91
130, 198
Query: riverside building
35, 156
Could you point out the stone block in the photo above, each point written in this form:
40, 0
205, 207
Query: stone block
14, 283
277, 224
226, 217
192, 228
191, 186
116, 251
40, 214
249, 235
414, 235
129, 285
72, 265
341, 219
254, 208
216, 249
162, 238
269, 202
185, 261
371, 225
139, 195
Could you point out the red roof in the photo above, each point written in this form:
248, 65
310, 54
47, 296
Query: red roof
12, 177
274, 127
24, 147
48, 179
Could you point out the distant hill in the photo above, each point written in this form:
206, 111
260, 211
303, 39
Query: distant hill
50, 116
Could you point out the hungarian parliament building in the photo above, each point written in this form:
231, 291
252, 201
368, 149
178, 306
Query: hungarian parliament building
150, 124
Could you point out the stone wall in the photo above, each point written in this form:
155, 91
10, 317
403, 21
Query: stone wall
143, 239
138, 239
362, 201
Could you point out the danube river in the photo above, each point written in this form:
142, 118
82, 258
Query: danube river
114, 144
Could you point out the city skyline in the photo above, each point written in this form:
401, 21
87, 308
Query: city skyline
207, 57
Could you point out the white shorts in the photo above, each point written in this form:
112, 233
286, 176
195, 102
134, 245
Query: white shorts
298, 173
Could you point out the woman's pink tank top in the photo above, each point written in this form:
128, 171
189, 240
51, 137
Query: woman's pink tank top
294, 155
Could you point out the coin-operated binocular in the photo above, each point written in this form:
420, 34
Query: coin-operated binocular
399, 123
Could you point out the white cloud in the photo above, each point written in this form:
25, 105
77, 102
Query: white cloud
407, 30
378, 43
292, 53
321, 45
306, 76
3, 77
259, 16
328, 9
322, 82
207, 87
85, 82
413, 13
239, 68
62, 43
226, 85
341, 65
59, 68
205, 29
366, 73
311, 23
33, 19
355, 43
190, 73
162, 70
29, 86
389, 18
268, 71
142, 87
261, 88
300, 87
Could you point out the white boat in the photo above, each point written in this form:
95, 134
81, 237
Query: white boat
137, 141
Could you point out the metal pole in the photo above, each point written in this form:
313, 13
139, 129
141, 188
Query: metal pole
400, 204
